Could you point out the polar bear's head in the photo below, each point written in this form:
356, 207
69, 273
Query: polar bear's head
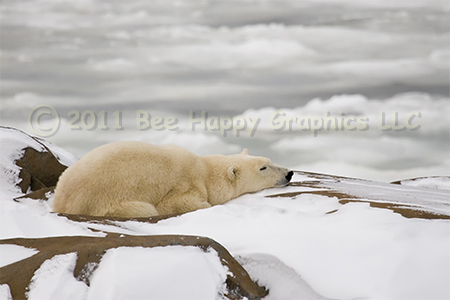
254, 173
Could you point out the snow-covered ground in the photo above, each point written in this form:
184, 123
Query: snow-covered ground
134, 273
300, 246
439, 183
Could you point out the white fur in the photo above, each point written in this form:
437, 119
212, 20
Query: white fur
134, 179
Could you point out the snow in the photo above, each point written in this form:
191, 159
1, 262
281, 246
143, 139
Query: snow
283, 282
135, 273
54, 280
12, 253
138, 273
64, 157
33, 219
12, 144
355, 252
27, 218
5, 292
304, 245
438, 183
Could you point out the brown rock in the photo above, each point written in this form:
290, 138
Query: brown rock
408, 201
38, 170
91, 249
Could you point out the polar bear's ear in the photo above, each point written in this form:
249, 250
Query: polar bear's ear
232, 173
245, 151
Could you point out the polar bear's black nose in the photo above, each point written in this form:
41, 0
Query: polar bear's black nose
289, 175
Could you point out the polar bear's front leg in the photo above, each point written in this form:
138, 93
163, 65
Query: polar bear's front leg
182, 203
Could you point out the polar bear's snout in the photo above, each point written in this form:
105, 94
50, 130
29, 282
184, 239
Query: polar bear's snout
289, 176
285, 179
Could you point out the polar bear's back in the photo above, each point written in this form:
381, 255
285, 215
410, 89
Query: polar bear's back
120, 172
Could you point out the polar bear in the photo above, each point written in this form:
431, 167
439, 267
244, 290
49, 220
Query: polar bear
136, 179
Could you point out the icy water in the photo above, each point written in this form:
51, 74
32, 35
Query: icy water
356, 88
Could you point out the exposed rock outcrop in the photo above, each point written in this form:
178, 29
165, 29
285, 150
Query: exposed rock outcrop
91, 249
39, 170
39, 166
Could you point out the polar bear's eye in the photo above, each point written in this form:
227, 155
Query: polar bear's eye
263, 168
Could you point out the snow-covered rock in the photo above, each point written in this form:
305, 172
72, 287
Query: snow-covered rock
29, 163
434, 182
321, 237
